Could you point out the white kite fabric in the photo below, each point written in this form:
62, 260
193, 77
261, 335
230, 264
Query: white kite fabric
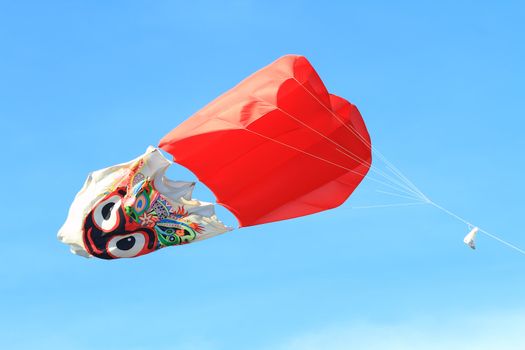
132, 209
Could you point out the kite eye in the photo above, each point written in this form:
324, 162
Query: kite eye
126, 246
105, 215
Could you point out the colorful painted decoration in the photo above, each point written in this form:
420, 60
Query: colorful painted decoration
132, 209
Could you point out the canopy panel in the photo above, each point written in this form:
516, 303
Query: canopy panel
276, 146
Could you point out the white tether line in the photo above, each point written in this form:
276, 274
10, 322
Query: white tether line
399, 195
510, 245
406, 194
387, 205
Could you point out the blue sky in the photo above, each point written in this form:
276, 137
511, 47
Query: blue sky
87, 84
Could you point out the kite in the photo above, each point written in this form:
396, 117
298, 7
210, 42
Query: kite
277, 146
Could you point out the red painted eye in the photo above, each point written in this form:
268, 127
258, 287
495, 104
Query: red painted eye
105, 214
127, 246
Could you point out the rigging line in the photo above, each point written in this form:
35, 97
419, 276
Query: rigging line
491, 235
350, 155
365, 142
385, 175
401, 196
395, 170
393, 187
368, 144
317, 157
381, 172
400, 174
357, 158
418, 197
402, 193
401, 186
388, 205
406, 190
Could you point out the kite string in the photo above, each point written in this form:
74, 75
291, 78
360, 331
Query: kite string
491, 235
397, 171
398, 195
387, 205
402, 187
401, 192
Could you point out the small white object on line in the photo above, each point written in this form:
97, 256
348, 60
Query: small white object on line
470, 238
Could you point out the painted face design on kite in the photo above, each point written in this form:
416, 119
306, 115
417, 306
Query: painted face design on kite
135, 219
109, 233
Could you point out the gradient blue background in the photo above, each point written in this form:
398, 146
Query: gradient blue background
87, 84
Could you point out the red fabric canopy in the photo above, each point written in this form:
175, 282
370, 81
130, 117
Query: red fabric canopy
276, 146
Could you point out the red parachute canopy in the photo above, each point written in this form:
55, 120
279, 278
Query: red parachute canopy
276, 146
